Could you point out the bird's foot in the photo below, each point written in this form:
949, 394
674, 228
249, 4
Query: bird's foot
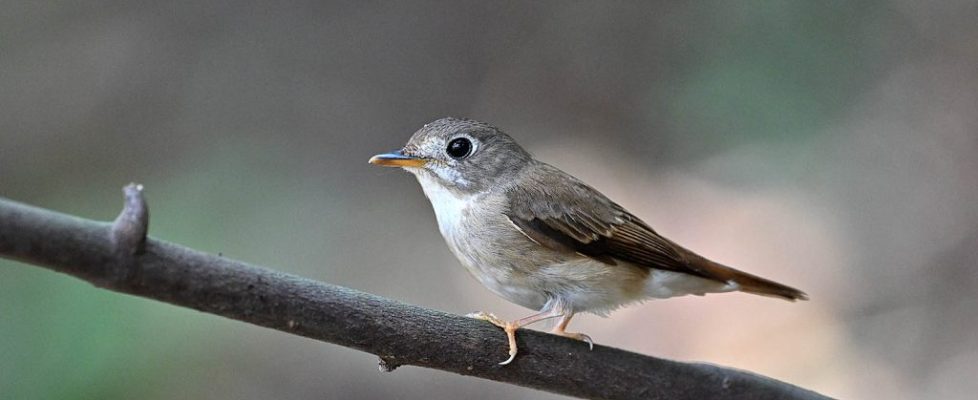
576, 336
509, 327
488, 317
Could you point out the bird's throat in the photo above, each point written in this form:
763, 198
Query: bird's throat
450, 205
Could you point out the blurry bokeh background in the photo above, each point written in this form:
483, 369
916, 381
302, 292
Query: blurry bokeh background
831, 146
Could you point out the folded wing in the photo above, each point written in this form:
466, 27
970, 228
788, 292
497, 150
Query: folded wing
572, 216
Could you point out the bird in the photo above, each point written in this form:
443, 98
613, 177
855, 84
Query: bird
543, 239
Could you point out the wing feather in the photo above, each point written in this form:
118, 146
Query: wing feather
575, 217
558, 211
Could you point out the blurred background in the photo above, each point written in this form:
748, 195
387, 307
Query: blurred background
830, 145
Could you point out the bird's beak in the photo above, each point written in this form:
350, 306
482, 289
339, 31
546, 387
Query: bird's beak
397, 158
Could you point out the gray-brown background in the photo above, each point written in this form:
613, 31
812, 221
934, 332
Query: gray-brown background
829, 145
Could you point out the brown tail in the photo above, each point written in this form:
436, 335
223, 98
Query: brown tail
747, 282
757, 285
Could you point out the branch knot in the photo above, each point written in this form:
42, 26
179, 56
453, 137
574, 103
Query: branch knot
130, 227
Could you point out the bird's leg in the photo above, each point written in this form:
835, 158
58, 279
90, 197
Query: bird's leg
559, 330
511, 327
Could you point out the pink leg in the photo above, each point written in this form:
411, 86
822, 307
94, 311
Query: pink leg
511, 327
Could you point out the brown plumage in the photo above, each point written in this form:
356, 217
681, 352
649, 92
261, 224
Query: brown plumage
587, 222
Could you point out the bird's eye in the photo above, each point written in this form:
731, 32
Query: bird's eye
459, 148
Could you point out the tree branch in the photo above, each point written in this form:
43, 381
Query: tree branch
119, 257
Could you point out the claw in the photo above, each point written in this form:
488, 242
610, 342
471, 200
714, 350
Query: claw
488, 317
576, 336
509, 327
590, 343
512, 356
582, 337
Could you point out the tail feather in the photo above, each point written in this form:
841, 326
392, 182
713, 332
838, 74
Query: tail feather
760, 286
747, 282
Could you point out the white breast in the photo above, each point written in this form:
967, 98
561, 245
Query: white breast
449, 207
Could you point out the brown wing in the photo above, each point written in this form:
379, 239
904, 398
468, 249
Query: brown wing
574, 216
562, 213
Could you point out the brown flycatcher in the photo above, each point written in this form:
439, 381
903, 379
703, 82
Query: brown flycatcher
543, 239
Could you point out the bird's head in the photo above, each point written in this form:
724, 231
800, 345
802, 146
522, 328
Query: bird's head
459, 154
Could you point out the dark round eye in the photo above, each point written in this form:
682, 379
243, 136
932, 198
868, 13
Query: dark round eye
459, 148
